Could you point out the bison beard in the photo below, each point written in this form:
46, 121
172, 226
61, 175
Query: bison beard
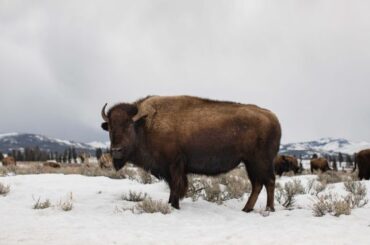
177, 135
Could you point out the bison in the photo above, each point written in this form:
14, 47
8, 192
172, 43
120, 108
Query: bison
283, 163
319, 163
8, 161
362, 159
172, 136
51, 164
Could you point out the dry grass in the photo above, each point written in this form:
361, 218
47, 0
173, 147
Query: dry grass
221, 188
152, 206
128, 171
336, 206
67, 204
286, 195
134, 196
358, 192
4, 189
41, 205
331, 204
332, 177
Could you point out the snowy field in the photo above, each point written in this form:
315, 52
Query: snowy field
94, 218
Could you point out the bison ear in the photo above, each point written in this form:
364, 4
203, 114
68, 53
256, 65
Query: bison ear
104, 126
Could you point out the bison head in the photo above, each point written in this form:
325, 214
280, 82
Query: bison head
121, 122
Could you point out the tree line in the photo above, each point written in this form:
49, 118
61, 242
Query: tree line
35, 154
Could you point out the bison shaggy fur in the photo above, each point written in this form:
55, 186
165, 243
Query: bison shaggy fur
362, 160
283, 163
172, 136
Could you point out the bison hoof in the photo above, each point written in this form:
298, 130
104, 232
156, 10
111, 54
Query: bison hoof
270, 209
177, 206
247, 210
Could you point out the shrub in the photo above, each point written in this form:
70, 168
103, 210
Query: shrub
330, 177
67, 205
318, 188
41, 205
4, 189
221, 188
286, 195
310, 185
357, 193
329, 204
151, 206
134, 196
289, 174
144, 176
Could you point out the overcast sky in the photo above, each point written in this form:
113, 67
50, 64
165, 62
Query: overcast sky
307, 61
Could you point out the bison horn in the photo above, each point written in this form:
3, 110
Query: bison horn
104, 116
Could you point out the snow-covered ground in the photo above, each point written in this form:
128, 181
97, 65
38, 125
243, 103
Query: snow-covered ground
94, 218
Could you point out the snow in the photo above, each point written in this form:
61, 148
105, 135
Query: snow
98, 144
328, 145
7, 135
94, 220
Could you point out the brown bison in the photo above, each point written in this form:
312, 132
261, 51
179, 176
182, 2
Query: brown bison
362, 159
283, 163
8, 161
319, 163
177, 135
51, 164
105, 161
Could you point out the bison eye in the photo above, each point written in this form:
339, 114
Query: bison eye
104, 126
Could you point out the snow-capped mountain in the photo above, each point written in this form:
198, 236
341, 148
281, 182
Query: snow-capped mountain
10, 141
323, 146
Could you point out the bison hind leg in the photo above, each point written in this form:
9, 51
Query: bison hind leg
261, 173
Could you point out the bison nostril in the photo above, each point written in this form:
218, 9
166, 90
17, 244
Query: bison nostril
115, 149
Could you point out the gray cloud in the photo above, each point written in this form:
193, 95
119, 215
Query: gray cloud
308, 61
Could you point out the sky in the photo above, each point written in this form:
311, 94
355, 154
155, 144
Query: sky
307, 61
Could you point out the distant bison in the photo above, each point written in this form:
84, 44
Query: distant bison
319, 163
285, 163
51, 164
177, 135
106, 161
362, 159
9, 161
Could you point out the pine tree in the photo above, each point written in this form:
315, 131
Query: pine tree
74, 155
349, 160
1, 156
98, 153
340, 159
335, 167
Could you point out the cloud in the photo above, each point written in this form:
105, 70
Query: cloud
305, 60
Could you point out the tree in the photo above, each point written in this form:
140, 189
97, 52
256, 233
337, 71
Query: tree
1, 156
74, 155
340, 159
69, 155
349, 160
98, 153
65, 156
335, 167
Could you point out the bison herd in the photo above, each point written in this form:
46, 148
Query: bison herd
172, 136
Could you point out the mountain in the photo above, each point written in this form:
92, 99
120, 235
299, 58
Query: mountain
12, 141
323, 146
